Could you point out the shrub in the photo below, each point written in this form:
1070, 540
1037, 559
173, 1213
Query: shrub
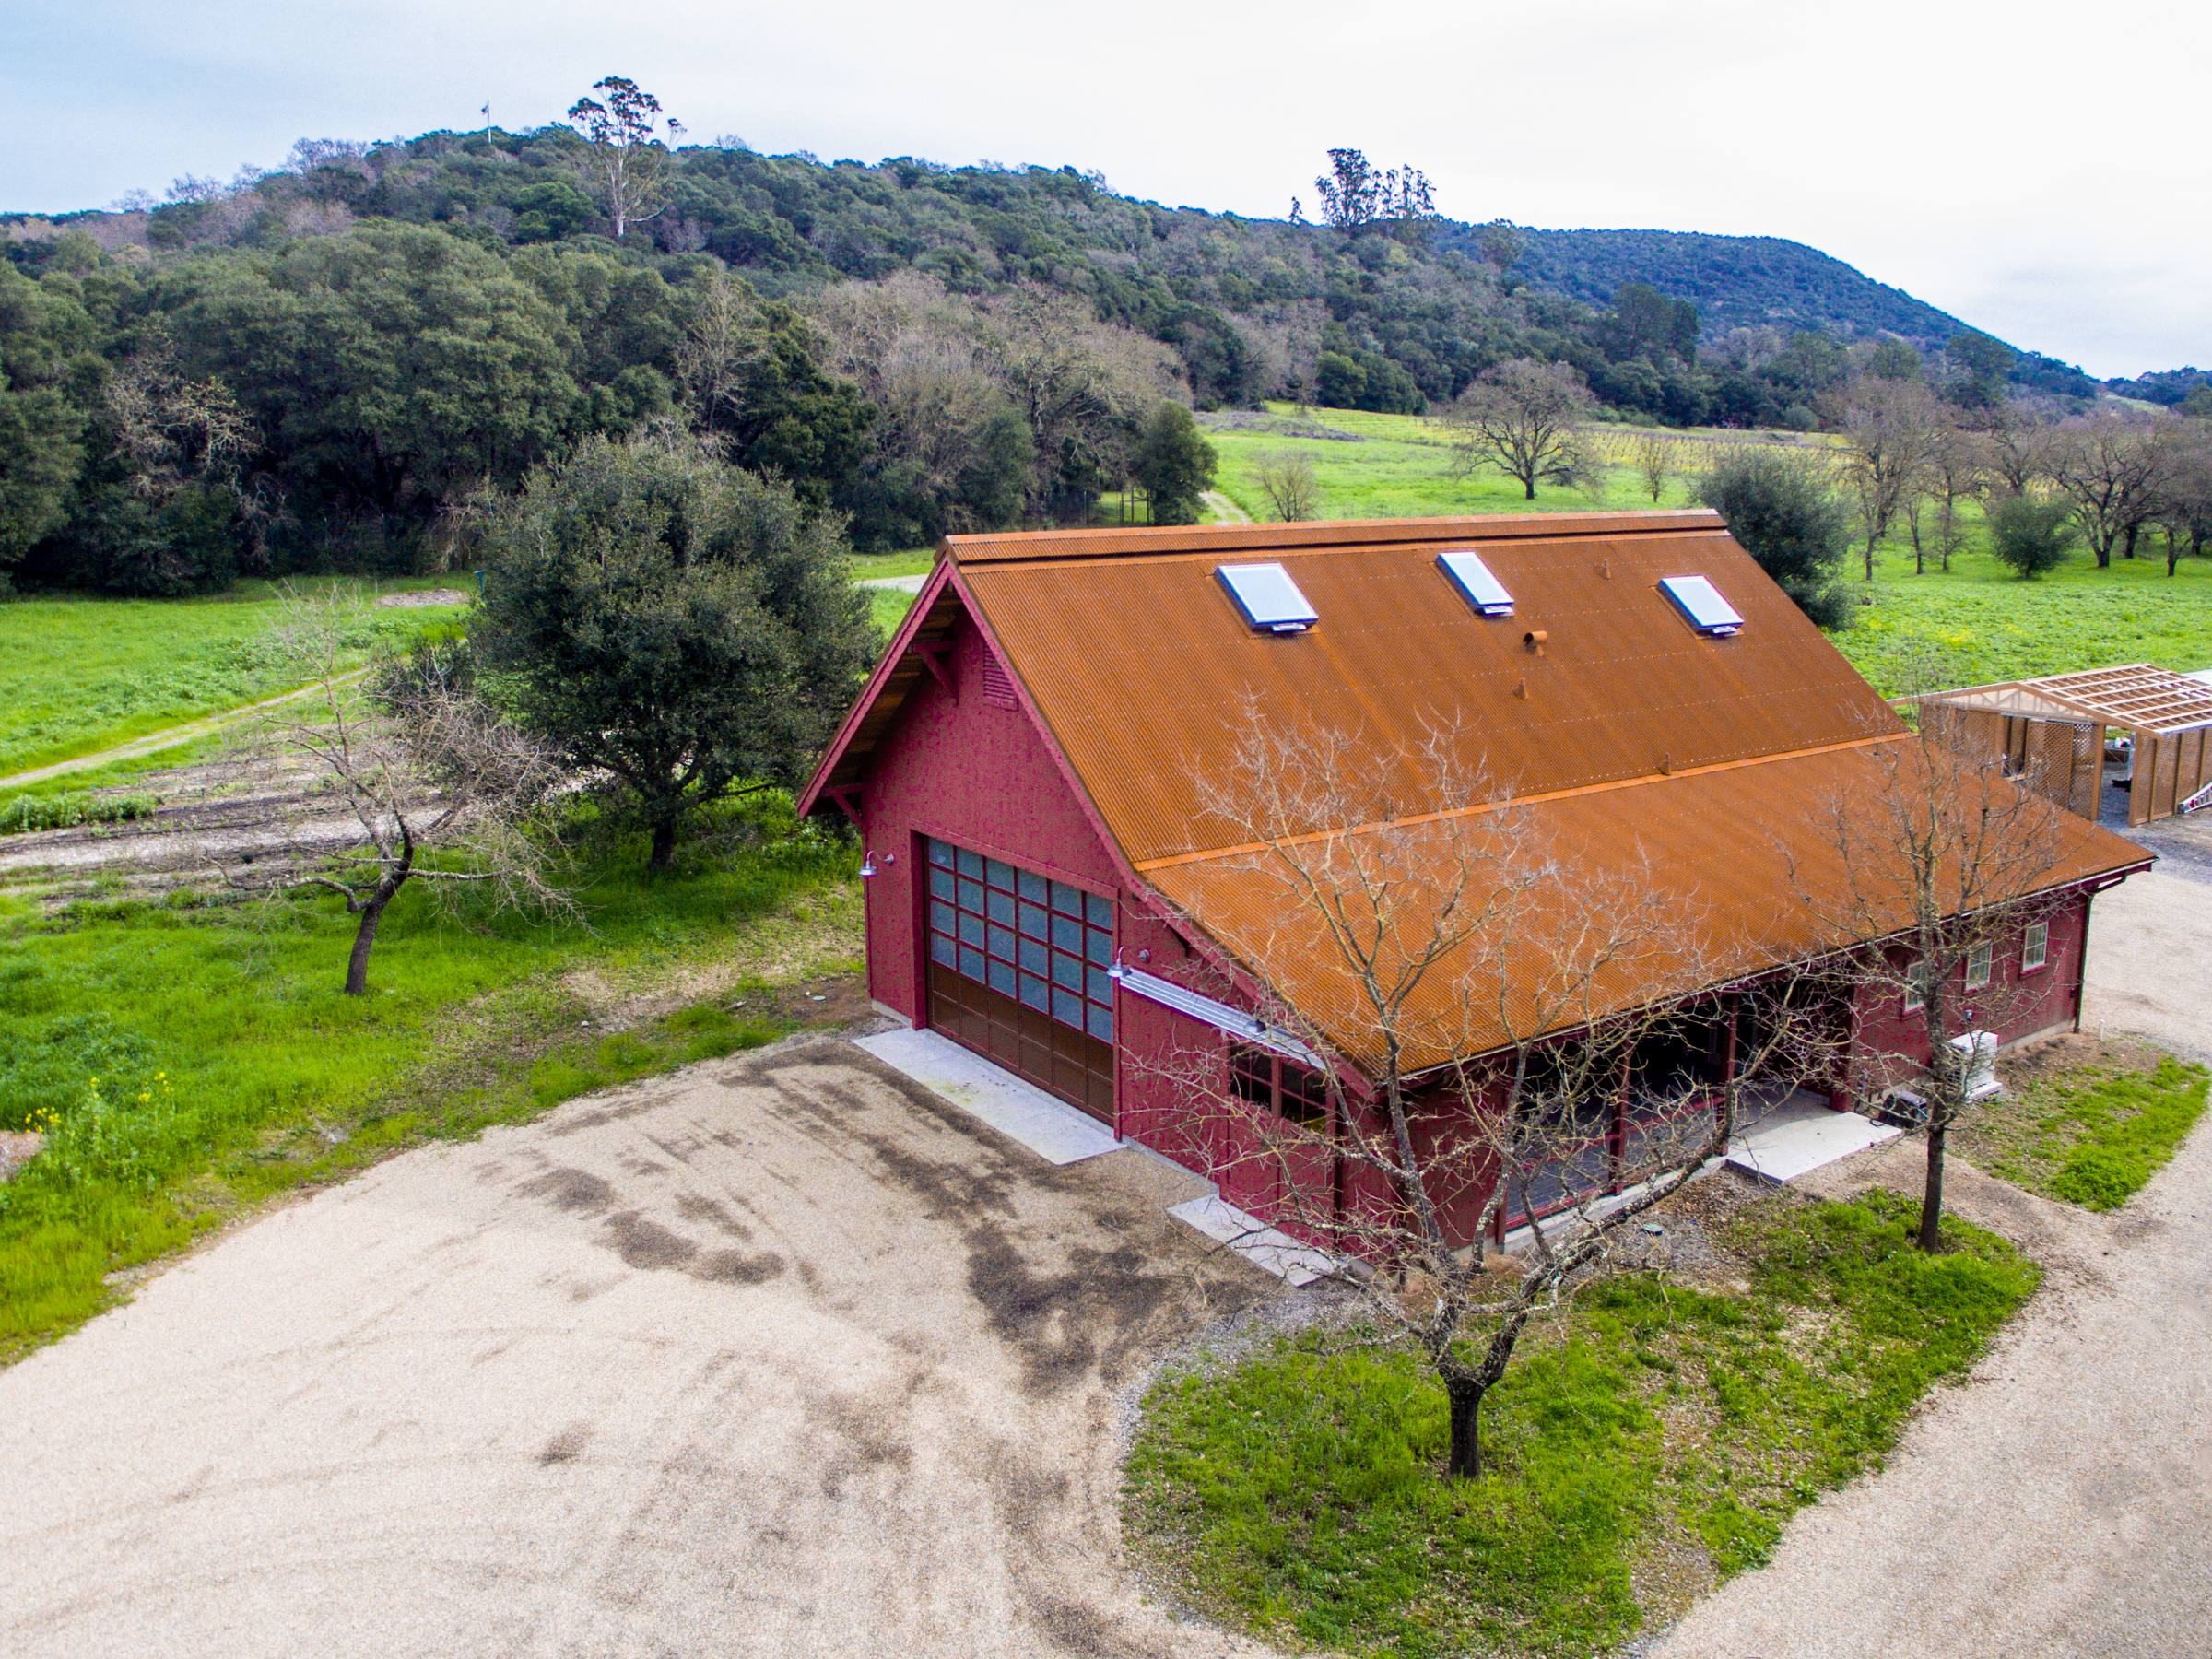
1788, 520
2031, 536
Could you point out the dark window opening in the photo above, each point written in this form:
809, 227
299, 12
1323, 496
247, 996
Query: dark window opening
1295, 1093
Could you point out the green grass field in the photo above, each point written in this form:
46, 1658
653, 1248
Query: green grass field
1975, 624
80, 673
229, 1065
2092, 1132
1650, 1442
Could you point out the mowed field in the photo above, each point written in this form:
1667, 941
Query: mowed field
80, 673
1975, 623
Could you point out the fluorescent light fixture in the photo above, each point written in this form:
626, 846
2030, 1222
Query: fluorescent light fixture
1269, 599
1699, 601
1475, 582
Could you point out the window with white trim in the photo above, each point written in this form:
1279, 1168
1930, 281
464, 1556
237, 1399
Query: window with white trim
1916, 987
2035, 947
1978, 958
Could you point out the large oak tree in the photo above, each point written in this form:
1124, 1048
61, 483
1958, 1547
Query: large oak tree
686, 627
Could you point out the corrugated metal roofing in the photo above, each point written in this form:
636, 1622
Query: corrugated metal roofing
1142, 667
1727, 855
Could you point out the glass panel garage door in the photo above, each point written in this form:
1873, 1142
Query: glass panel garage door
1017, 972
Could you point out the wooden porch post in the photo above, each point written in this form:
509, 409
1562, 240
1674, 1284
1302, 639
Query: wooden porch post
1736, 1012
1617, 1150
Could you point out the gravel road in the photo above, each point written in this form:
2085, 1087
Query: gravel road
2061, 1503
776, 1356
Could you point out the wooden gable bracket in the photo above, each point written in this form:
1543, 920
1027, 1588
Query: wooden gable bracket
848, 802
934, 659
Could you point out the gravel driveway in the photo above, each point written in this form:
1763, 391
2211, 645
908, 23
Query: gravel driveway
2060, 1503
780, 1356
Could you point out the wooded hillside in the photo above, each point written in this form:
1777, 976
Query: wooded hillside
326, 365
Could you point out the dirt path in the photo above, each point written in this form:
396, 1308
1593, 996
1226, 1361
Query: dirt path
2060, 1503
776, 1356
1226, 511
168, 737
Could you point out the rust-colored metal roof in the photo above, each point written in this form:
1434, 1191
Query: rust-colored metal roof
1027, 546
1728, 867
1142, 667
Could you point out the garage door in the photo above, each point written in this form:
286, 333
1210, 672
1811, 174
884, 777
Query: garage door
1017, 972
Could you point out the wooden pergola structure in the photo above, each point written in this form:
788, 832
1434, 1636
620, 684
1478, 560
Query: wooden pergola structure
2050, 734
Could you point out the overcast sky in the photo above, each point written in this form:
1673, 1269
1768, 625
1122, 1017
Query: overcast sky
2033, 170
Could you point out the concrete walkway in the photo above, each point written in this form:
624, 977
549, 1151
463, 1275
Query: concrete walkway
2061, 1503
777, 1356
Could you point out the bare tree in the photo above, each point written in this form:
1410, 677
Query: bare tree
406, 763
2013, 447
1082, 386
948, 374
1958, 472
1524, 418
625, 161
1286, 479
1651, 458
1474, 1037
2185, 499
2110, 467
1945, 867
1890, 430
174, 433
722, 344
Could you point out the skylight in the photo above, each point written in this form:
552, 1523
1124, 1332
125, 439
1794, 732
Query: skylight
1268, 598
1699, 601
1477, 585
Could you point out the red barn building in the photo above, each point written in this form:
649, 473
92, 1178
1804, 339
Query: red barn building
1023, 768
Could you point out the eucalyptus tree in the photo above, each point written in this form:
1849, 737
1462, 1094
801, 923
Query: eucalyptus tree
626, 162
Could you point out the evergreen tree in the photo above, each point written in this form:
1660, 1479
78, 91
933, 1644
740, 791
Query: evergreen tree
1174, 464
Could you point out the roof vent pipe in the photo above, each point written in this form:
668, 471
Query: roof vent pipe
1535, 641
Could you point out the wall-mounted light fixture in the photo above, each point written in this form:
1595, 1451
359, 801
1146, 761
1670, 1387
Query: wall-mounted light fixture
868, 864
